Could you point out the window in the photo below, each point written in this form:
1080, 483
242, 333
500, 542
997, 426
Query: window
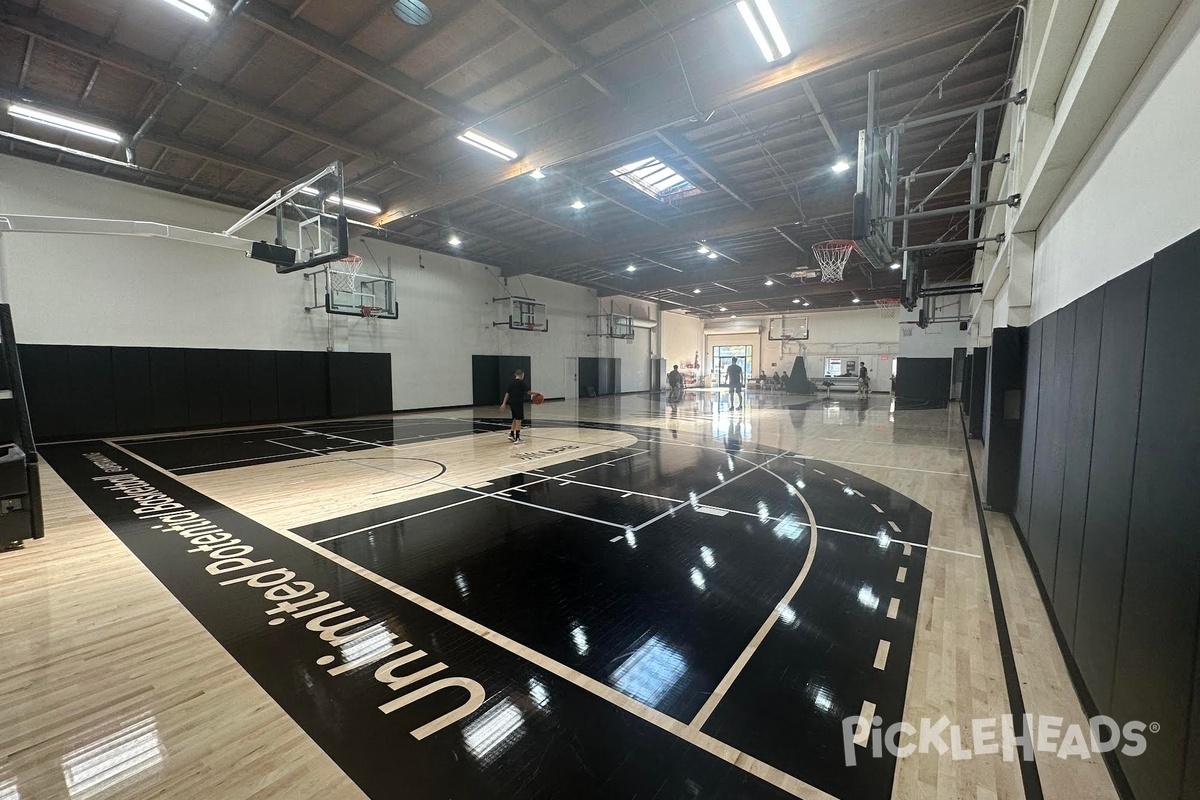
653, 177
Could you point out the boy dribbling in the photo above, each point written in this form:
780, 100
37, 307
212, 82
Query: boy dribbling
514, 400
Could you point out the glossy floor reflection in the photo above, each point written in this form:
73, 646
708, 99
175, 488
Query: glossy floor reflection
642, 608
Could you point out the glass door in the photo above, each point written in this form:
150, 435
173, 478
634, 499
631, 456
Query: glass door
723, 356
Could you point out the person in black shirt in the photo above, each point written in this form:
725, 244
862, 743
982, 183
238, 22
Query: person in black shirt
514, 399
733, 376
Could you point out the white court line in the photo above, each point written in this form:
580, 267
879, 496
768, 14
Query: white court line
480, 485
617, 538
893, 608
497, 496
178, 470
877, 508
907, 549
862, 731
626, 495
481, 496
901, 574
818, 471
881, 654
718, 693
694, 500
835, 480
895, 527
743, 761
857, 492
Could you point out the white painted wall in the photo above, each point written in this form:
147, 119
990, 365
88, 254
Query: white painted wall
110, 290
865, 333
1136, 191
682, 338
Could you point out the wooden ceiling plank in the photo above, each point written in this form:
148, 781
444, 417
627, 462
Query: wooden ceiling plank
383, 75
554, 40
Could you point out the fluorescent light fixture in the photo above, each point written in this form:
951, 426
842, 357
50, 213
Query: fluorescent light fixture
703, 250
797, 300
695, 291
856, 299
768, 282
722, 308
21, 111
714, 254
200, 9
349, 202
631, 268
358, 205
488, 145
733, 316
806, 304
841, 165
537, 174
756, 18
579, 205
454, 240
698, 579
895, 265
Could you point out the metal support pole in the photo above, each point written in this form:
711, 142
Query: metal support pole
1018, 99
956, 243
1004, 159
1015, 200
969, 159
975, 171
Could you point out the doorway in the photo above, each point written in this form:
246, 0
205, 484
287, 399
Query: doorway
571, 377
724, 354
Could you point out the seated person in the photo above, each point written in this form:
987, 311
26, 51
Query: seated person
775, 380
784, 380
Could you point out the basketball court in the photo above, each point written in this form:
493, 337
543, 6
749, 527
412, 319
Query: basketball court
839, 476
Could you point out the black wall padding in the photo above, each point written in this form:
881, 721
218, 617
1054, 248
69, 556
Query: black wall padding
132, 387
1085, 365
601, 374
923, 382
359, 383
976, 391
1004, 415
1029, 426
1161, 602
1053, 400
490, 376
79, 391
1110, 480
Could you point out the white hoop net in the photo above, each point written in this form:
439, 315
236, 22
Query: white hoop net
889, 306
342, 274
832, 256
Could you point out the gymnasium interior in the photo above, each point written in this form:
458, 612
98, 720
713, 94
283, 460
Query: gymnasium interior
599, 399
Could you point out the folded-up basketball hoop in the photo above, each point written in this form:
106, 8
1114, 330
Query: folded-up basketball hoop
832, 256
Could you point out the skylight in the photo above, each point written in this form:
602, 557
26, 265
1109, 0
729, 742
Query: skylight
653, 177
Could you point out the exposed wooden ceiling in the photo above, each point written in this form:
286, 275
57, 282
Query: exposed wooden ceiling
577, 87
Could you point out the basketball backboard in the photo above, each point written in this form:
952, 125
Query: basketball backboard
523, 314
787, 329
310, 222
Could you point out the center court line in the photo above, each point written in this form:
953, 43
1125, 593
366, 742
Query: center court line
743, 761
743, 659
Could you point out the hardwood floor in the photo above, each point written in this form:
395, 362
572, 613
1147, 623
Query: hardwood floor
115, 690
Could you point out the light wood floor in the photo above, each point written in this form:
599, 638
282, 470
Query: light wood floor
99, 654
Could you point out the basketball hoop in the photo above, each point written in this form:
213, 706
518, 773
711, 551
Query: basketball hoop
888, 306
832, 256
369, 312
343, 274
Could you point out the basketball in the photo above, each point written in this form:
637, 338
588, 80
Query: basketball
536, 398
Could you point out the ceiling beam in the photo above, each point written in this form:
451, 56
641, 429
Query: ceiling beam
722, 272
679, 143
80, 41
606, 124
535, 23
330, 47
806, 84
777, 212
